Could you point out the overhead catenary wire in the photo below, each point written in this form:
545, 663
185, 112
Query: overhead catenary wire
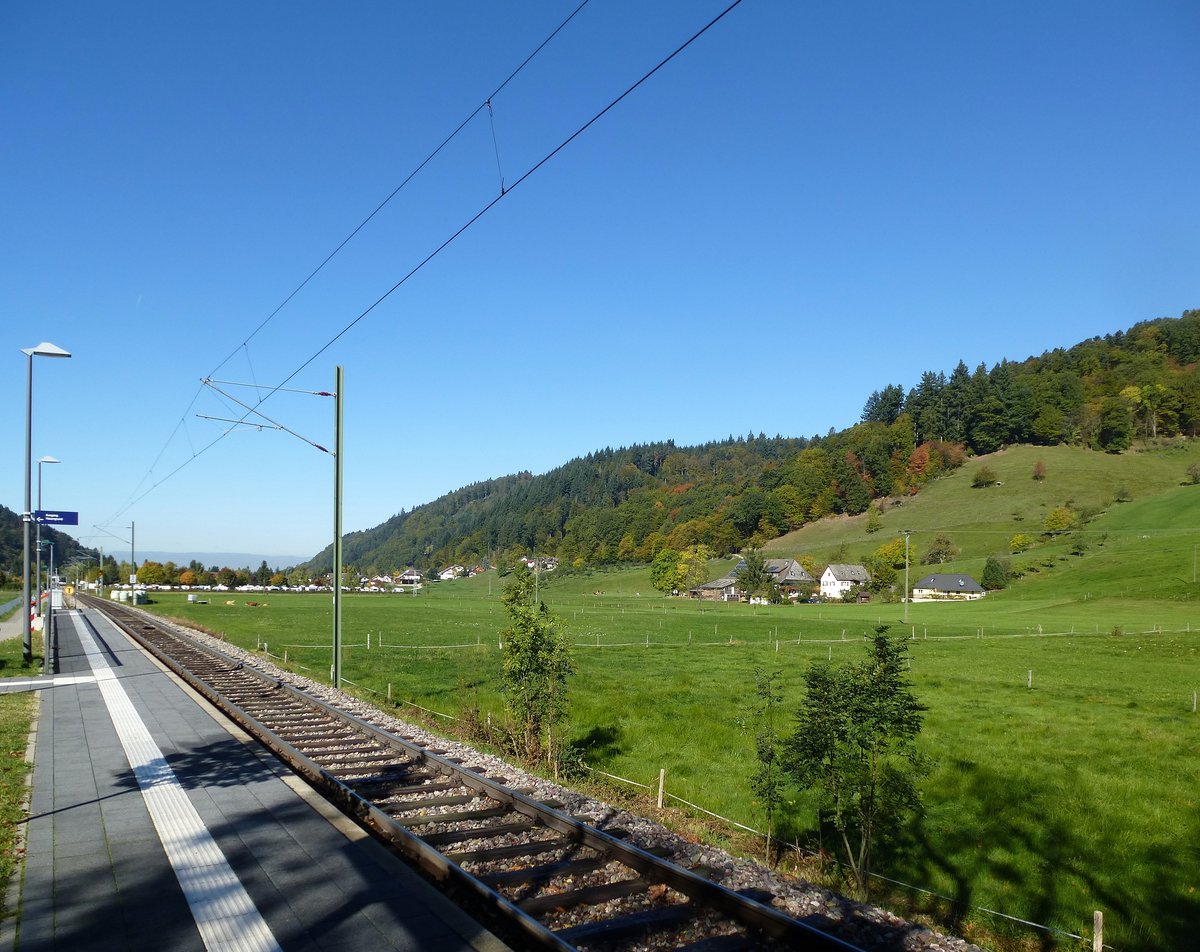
135, 496
537, 166
487, 103
444, 244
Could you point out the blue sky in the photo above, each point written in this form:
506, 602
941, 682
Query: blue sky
812, 201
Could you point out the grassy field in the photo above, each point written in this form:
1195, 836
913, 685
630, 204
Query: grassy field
16, 715
1079, 793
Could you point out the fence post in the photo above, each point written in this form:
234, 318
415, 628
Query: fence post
662, 777
389, 691
1030, 682
1097, 931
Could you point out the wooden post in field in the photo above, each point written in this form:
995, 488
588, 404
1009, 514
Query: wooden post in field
662, 779
285, 655
1030, 683
1193, 702
1097, 931
389, 691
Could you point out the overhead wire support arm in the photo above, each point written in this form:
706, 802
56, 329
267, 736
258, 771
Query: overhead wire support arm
257, 426
250, 410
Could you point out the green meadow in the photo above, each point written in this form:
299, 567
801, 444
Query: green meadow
1061, 717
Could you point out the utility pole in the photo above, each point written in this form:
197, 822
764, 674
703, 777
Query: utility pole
336, 674
906, 534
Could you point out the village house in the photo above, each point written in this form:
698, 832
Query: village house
837, 579
410, 577
788, 574
451, 572
946, 587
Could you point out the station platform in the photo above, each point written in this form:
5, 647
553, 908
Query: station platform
156, 825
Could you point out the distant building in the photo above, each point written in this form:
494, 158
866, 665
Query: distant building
837, 579
410, 577
451, 572
788, 574
721, 590
942, 586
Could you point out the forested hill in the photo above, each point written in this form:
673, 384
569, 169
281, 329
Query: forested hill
626, 504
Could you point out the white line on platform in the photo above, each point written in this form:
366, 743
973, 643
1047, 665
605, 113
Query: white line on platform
225, 914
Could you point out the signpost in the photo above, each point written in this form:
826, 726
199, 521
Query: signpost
51, 517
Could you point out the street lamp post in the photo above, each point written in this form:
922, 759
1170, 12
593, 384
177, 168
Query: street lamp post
44, 349
38, 572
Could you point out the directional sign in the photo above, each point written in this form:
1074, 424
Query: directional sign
51, 518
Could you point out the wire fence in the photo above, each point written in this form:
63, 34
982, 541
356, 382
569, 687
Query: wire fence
664, 794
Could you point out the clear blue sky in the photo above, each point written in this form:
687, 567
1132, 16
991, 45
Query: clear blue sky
813, 201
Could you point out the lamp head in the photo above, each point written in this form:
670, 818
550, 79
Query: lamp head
46, 349
49, 459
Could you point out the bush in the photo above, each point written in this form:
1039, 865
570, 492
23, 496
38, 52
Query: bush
983, 478
1019, 543
1059, 519
1193, 474
1039, 471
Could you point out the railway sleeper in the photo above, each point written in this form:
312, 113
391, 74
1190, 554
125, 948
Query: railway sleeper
463, 816
398, 806
493, 854
479, 833
399, 774
546, 873
400, 788
586, 896
605, 931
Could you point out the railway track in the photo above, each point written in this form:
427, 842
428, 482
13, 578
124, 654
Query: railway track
554, 881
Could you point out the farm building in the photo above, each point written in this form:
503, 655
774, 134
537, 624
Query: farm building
788, 574
721, 590
837, 579
946, 587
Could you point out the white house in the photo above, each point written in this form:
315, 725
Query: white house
945, 587
410, 577
452, 571
838, 579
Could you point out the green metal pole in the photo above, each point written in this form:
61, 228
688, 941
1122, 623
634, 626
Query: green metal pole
336, 677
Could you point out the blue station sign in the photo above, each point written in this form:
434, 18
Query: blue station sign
52, 517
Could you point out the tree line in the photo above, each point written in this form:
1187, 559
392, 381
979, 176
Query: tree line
630, 503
